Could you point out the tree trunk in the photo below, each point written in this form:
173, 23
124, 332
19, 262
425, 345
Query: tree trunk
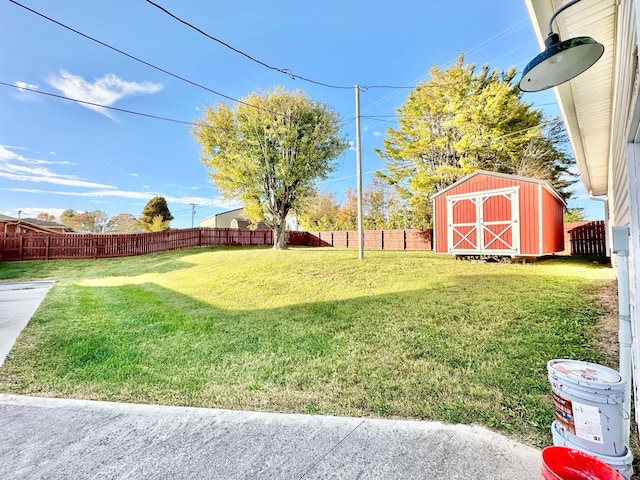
279, 237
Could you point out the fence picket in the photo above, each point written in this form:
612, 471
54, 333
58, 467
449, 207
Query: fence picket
589, 239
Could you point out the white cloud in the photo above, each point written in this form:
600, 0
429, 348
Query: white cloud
134, 174
6, 154
202, 201
352, 145
22, 94
105, 90
378, 134
22, 85
14, 166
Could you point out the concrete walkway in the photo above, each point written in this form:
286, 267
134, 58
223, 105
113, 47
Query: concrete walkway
18, 302
73, 439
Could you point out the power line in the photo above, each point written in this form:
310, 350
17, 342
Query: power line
97, 104
88, 37
284, 71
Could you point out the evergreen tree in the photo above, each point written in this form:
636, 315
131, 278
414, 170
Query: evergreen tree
463, 120
157, 206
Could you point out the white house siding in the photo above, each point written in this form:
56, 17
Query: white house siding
632, 144
601, 111
624, 79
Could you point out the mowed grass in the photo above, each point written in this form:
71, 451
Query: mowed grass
398, 334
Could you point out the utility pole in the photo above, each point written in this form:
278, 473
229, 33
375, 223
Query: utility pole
193, 212
359, 176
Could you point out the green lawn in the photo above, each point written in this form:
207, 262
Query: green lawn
398, 334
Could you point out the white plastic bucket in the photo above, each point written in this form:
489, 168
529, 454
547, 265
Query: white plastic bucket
588, 401
623, 464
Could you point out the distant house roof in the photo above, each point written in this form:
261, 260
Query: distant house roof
35, 224
44, 223
229, 211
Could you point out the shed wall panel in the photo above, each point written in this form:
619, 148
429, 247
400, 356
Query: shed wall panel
529, 219
553, 224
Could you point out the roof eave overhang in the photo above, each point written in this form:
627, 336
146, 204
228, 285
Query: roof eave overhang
591, 153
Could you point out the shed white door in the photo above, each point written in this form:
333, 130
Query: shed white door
482, 223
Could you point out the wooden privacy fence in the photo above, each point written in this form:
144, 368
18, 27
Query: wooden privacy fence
589, 239
43, 246
36, 246
375, 239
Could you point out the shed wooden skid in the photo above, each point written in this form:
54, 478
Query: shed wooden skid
496, 214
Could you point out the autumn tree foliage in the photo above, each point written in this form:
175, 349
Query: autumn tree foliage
382, 206
94, 221
319, 213
124, 222
464, 119
46, 217
269, 151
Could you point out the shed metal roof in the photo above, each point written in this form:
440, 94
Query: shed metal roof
544, 183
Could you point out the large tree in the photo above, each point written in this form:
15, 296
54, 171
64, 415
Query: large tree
462, 120
156, 207
46, 217
92, 222
268, 151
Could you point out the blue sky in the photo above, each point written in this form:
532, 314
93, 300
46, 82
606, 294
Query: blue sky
57, 154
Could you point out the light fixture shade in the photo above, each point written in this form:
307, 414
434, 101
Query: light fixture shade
560, 62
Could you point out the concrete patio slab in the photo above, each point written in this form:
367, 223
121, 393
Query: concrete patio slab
60, 439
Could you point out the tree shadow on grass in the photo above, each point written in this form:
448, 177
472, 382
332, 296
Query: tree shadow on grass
164, 262
470, 349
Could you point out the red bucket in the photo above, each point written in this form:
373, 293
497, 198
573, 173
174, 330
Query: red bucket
564, 463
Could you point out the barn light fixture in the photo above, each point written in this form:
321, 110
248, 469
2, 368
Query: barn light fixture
561, 60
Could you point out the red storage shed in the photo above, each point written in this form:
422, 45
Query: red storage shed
489, 213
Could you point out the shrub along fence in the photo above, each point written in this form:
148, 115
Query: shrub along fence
43, 246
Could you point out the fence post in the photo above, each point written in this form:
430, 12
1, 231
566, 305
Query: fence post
48, 246
381, 239
404, 239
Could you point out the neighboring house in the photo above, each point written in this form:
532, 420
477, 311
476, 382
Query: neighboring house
234, 219
222, 220
55, 226
488, 213
601, 112
32, 225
